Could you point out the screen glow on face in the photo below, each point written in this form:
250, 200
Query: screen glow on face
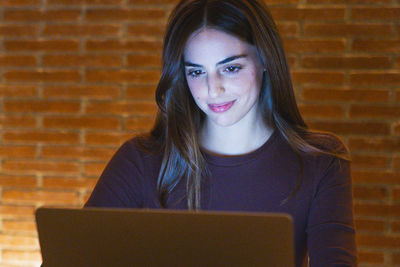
224, 75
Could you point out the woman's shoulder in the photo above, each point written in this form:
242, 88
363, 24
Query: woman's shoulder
327, 153
327, 170
326, 143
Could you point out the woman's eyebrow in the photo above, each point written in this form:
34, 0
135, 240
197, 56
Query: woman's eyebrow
229, 59
226, 60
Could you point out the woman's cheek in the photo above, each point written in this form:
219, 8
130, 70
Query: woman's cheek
194, 92
196, 89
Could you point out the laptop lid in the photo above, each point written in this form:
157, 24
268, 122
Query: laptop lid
137, 237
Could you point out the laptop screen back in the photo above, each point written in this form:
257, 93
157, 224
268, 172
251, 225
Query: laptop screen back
136, 237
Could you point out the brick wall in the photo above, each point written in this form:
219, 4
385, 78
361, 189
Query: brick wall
77, 78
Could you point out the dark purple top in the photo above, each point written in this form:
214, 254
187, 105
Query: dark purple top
321, 209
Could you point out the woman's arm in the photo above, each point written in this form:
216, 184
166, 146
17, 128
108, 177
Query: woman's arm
120, 184
330, 229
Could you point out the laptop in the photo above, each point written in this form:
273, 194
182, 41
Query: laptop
92, 237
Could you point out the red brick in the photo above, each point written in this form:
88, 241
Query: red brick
396, 194
143, 60
375, 13
41, 45
18, 241
42, 76
46, 197
38, 15
69, 183
22, 255
137, 14
134, 76
349, 1
370, 193
321, 111
12, 121
13, 3
378, 241
139, 123
292, 60
345, 95
82, 91
14, 211
18, 90
396, 128
348, 62
317, 46
396, 258
145, 30
288, 29
23, 166
396, 163
41, 106
398, 95
11, 151
374, 144
370, 257
307, 13
397, 62
124, 46
81, 30
19, 226
11, 60
114, 138
374, 78
395, 226
380, 46
363, 111
309, 77
13, 30
81, 122
376, 177
17, 181
140, 91
369, 161
278, 2
83, 60
348, 29
75, 152
41, 136
349, 127
371, 225
94, 168
84, 2
133, 2
122, 108
382, 210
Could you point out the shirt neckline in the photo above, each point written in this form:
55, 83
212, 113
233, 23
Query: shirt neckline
236, 160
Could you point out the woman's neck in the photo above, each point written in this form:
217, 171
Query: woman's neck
238, 139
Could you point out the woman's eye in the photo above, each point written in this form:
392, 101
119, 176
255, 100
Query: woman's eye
194, 73
232, 69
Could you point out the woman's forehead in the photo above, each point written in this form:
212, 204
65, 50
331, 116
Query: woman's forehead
211, 44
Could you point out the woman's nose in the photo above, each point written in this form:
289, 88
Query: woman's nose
215, 86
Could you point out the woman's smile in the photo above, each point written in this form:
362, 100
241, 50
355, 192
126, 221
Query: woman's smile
222, 107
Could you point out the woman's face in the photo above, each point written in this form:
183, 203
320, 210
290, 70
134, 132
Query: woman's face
224, 75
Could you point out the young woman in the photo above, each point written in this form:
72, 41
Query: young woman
229, 136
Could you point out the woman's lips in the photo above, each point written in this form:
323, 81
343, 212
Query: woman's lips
219, 108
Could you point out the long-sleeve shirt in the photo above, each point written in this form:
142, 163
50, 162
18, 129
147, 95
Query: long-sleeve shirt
321, 209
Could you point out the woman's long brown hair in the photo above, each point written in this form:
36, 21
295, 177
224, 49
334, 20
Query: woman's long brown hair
179, 120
